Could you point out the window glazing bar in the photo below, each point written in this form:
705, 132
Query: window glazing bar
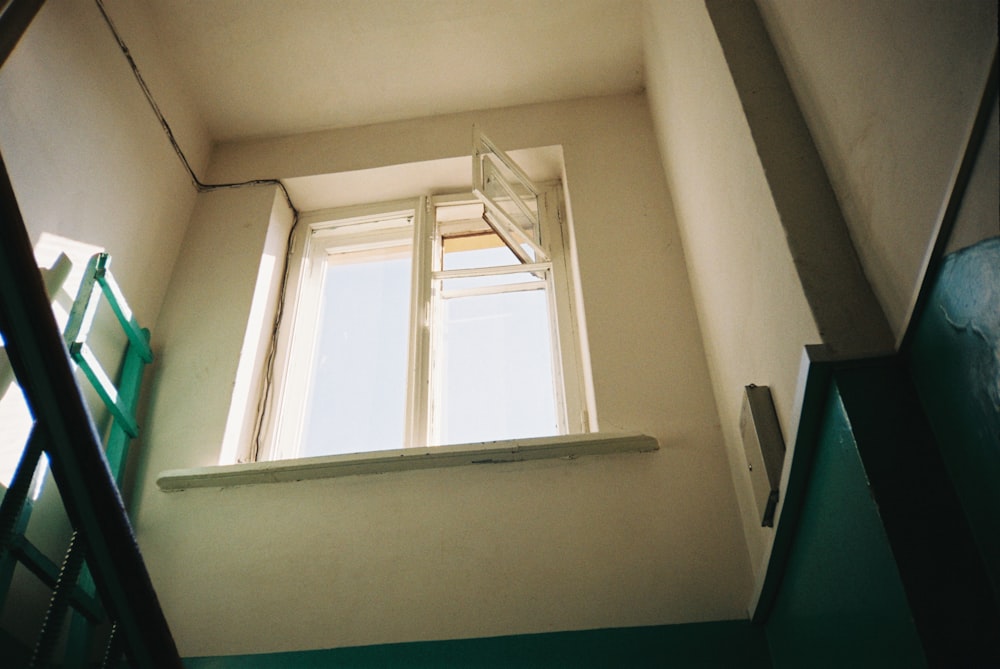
501, 270
417, 391
447, 294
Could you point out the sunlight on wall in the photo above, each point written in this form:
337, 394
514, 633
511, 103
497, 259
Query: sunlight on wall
237, 423
15, 417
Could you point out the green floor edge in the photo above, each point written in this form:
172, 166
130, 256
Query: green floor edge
736, 643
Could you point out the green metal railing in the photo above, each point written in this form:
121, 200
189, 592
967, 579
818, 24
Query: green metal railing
72, 586
102, 576
102, 542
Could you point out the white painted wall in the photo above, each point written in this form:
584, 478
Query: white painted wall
89, 162
889, 90
979, 216
87, 157
753, 312
604, 541
203, 324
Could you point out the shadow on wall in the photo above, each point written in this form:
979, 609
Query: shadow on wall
955, 363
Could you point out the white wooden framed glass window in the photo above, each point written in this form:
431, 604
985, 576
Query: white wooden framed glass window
510, 200
430, 321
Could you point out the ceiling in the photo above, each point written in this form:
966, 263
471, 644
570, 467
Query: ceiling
265, 68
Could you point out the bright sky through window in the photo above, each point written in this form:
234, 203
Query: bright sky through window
496, 357
357, 400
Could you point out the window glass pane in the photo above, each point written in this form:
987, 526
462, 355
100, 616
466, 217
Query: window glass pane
497, 179
357, 395
496, 369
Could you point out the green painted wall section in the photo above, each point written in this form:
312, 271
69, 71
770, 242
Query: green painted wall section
955, 364
942, 573
693, 646
841, 602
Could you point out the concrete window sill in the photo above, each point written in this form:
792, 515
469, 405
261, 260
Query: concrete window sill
405, 459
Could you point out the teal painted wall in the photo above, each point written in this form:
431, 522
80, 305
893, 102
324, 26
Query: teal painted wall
955, 363
841, 602
695, 646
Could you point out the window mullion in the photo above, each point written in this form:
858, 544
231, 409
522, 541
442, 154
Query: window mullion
417, 399
569, 370
558, 361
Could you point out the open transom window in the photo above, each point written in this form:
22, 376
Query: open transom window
431, 321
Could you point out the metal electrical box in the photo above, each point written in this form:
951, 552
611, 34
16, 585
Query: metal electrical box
764, 449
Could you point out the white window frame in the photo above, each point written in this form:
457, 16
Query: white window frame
487, 154
338, 229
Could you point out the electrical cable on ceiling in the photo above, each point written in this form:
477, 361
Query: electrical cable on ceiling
201, 187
